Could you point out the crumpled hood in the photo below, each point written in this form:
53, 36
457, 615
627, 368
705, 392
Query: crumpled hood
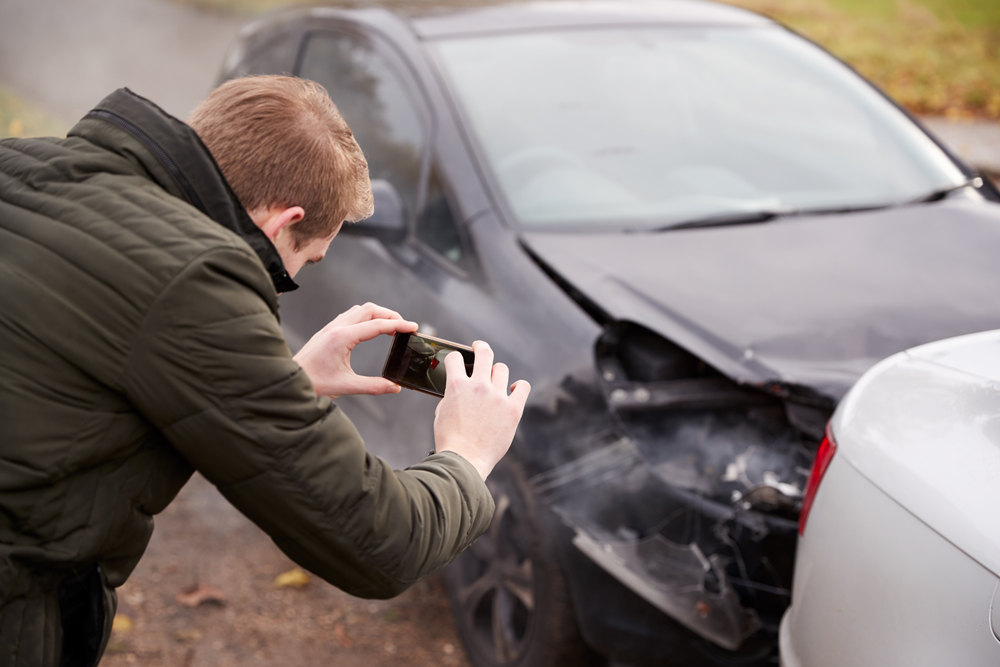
812, 301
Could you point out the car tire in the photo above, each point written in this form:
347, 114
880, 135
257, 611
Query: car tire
508, 596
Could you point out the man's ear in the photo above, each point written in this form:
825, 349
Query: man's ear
273, 220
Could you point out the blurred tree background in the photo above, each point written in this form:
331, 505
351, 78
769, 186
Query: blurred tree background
18, 119
934, 57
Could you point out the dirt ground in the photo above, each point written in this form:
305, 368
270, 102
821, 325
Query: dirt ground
213, 590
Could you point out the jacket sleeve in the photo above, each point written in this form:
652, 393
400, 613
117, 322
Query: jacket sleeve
212, 371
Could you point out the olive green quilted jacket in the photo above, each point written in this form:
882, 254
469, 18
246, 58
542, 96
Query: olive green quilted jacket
139, 341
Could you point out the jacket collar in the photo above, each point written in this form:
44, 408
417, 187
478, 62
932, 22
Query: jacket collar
182, 164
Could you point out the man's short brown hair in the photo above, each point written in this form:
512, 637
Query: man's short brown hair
280, 141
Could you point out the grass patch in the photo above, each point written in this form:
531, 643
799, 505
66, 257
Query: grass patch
18, 119
969, 13
934, 57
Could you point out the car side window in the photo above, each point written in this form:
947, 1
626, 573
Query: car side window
374, 102
274, 53
436, 226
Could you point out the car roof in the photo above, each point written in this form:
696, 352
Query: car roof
455, 18
455, 21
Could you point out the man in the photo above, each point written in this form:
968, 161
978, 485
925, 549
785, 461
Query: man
140, 264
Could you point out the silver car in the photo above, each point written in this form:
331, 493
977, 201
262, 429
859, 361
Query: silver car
899, 555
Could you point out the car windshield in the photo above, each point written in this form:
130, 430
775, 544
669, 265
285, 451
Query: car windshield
651, 127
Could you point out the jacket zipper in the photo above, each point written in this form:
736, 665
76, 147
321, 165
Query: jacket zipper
158, 152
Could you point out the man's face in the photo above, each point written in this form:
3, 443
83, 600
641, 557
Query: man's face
276, 222
295, 256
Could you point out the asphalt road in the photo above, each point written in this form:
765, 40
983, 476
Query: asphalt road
64, 56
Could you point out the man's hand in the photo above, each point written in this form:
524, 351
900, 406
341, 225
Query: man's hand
477, 418
326, 357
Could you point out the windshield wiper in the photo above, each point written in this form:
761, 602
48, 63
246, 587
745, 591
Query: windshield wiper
768, 214
722, 219
940, 193
765, 215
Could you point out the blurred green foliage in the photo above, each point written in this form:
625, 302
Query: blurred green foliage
934, 57
969, 13
20, 120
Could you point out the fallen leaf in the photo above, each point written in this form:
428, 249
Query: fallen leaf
340, 633
294, 578
188, 635
201, 595
121, 623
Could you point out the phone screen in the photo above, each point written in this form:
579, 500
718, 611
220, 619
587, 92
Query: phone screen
416, 361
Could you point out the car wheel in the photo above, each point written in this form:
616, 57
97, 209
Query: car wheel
509, 598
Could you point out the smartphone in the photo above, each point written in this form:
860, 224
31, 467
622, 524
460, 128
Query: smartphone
416, 361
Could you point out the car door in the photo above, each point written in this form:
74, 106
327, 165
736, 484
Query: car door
419, 275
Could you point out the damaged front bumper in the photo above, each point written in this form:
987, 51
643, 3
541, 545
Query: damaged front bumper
680, 484
671, 547
692, 510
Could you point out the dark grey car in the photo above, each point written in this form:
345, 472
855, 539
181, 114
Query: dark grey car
691, 230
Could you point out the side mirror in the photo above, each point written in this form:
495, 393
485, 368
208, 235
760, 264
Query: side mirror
388, 222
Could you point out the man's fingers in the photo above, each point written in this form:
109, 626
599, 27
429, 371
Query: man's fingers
364, 384
369, 329
483, 367
368, 311
519, 393
454, 368
500, 377
374, 312
380, 386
